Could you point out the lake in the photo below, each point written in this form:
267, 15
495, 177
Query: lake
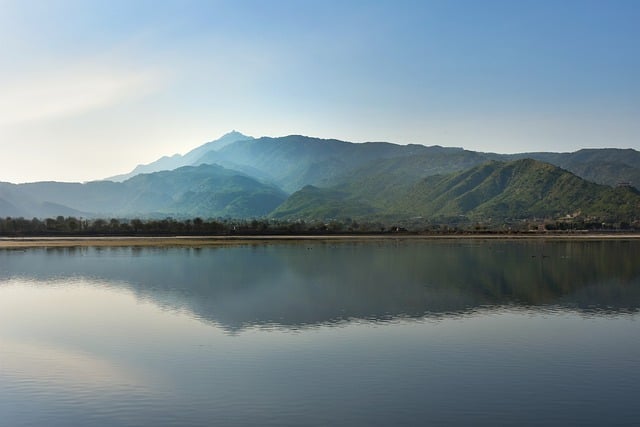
390, 332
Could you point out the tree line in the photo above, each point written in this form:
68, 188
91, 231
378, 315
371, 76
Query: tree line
72, 226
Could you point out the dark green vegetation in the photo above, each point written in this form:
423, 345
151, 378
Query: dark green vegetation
297, 178
72, 226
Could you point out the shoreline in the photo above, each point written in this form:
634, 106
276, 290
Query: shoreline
213, 241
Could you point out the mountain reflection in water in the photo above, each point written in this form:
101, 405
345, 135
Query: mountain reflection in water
295, 285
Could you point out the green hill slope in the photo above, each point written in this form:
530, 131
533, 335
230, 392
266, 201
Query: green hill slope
496, 190
519, 189
608, 166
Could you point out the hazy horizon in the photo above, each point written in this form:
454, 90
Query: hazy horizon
92, 89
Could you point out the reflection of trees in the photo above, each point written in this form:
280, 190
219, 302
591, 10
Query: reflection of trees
493, 272
308, 283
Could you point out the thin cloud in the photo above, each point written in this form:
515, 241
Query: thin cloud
72, 91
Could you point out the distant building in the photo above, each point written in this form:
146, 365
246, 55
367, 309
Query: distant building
624, 184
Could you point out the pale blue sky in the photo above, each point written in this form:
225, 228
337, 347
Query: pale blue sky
92, 88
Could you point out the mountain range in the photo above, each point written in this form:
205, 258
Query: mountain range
303, 178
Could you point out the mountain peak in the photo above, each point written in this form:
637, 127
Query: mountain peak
235, 134
226, 139
177, 160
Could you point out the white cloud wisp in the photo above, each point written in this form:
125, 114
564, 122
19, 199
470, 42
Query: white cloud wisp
71, 91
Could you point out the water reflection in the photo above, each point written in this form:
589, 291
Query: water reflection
296, 285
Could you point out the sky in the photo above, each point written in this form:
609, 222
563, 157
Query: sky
89, 89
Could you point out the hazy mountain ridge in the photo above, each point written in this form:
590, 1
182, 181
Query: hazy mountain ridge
294, 161
207, 190
242, 177
16, 202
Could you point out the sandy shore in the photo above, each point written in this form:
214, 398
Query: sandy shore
195, 241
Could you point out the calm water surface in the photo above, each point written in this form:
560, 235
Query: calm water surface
379, 333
